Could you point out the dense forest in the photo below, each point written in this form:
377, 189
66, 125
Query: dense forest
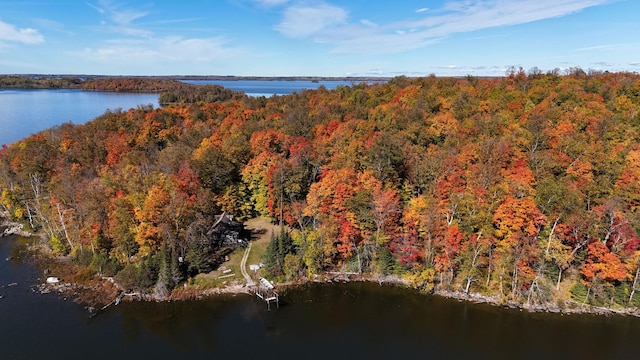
151, 84
96, 83
525, 187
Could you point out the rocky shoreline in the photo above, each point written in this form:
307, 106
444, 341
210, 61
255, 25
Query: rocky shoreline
570, 307
104, 293
99, 292
8, 228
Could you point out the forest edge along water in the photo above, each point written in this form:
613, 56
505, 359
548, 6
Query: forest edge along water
124, 84
347, 276
284, 87
79, 100
98, 294
338, 320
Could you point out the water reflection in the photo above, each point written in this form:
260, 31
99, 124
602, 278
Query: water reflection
317, 321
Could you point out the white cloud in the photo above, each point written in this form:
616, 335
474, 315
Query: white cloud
378, 42
302, 21
328, 24
128, 30
51, 25
98, 9
465, 16
11, 34
119, 18
368, 23
171, 49
601, 47
604, 64
271, 2
120, 14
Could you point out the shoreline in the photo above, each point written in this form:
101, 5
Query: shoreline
82, 294
98, 292
94, 295
571, 307
8, 228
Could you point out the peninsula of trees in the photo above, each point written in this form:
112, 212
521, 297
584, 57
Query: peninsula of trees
151, 84
525, 187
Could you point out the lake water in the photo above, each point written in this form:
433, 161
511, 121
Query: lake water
25, 112
318, 321
269, 88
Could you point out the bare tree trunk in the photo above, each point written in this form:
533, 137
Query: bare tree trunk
281, 195
535, 281
559, 277
429, 251
514, 283
587, 297
36, 188
633, 287
466, 288
26, 204
64, 226
553, 228
489, 268
476, 253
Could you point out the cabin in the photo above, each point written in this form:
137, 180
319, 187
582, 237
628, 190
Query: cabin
226, 231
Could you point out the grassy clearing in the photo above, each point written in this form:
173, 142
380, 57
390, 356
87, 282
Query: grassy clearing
218, 277
260, 229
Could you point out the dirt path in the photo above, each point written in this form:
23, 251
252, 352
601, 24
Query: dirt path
243, 266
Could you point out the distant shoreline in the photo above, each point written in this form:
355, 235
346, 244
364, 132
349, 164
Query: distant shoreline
199, 77
153, 84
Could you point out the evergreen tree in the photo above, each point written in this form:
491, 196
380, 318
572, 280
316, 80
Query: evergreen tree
271, 262
278, 248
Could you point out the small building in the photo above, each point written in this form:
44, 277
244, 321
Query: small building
226, 231
267, 284
254, 267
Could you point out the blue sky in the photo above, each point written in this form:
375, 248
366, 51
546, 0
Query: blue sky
316, 37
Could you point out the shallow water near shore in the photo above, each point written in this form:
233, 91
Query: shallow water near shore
315, 321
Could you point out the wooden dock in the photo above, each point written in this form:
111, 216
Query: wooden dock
266, 291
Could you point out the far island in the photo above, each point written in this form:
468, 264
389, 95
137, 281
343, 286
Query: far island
145, 83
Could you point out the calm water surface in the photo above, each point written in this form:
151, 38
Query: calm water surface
335, 321
25, 112
269, 88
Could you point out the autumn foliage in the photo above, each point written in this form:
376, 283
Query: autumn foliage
525, 186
